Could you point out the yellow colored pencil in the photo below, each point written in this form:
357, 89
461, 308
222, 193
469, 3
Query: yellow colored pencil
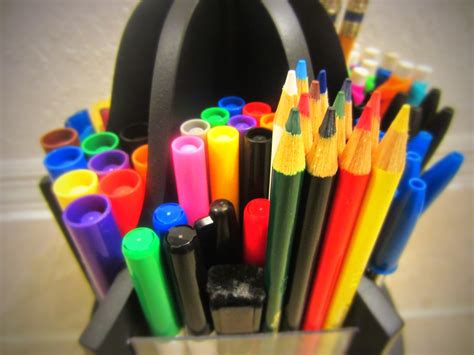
301, 77
315, 107
347, 87
374, 103
340, 122
386, 173
305, 122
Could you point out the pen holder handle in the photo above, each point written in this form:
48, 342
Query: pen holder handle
177, 57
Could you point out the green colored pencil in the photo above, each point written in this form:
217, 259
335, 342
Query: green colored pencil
288, 171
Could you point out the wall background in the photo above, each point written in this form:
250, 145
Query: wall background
57, 56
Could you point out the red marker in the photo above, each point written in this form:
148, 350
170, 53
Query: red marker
256, 216
256, 109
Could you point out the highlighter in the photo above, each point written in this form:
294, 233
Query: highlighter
190, 276
80, 122
99, 142
256, 215
216, 116
58, 138
256, 109
74, 184
141, 249
189, 162
64, 159
266, 121
134, 136
233, 104
223, 149
126, 191
140, 161
96, 236
110, 160
167, 216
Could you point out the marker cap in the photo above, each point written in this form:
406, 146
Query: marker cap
134, 136
81, 122
256, 215
59, 137
216, 116
422, 72
74, 184
354, 58
126, 192
64, 159
195, 127
242, 123
99, 142
371, 53
359, 76
167, 216
110, 160
404, 69
371, 66
140, 161
256, 109
390, 60
266, 121
233, 104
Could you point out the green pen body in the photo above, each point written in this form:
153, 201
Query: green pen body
141, 249
285, 196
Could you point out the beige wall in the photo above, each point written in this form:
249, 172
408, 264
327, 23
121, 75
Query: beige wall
57, 56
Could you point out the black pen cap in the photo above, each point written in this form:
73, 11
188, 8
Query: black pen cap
206, 231
415, 120
133, 136
228, 240
255, 167
429, 105
190, 277
392, 111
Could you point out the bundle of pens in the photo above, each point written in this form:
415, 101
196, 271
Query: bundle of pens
279, 215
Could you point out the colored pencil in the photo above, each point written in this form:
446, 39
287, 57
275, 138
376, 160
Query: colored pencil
315, 107
350, 27
301, 77
355, 165
374, 104
347, 87
321, 170
340, 121
288, 169
323, 92
305, 121
386, 174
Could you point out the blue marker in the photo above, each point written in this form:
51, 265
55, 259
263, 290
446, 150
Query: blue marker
233, 104
64, 159
81, 122
412, 169
439, 175
420, 143
419, 87
399, 224
384, 72
167, 216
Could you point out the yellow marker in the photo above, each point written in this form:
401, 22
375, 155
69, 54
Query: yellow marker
75, 184
386, 173
96, 116
223, 150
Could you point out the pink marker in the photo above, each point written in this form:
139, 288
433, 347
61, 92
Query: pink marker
358, 77
189, 160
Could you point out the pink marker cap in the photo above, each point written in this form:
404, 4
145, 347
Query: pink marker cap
189, 160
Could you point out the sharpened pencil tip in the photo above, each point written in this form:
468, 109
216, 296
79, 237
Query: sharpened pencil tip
402, 120
314, 90
328, 126
301, 71
303, 105
323, 86
365, 120
347, 87
293, 124
290, 84
374, 103
339, 104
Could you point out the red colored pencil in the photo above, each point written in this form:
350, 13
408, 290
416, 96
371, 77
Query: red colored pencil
354, 175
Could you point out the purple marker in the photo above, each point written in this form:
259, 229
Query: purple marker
243, 123
96, 236
107, 161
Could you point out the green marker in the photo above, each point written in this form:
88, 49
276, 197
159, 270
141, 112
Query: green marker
99, 142
141, 249
216, 116
371, 66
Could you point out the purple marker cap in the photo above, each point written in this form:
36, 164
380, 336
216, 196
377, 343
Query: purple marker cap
109, 160
243, 123
96, 236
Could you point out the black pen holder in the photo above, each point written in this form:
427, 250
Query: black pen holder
175, 59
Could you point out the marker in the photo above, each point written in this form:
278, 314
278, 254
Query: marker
64, 159
110, 160
419, 87
58, 138
228, 240
256, 109
96, 114
195, 127
438, 127
266, 121
412, 170
125, 190
256, 214
74, 184
301, 77
399, 225
167, 216
440, 175
236, 298
371, 53
416, 115
190, 276
420, 143
140, 161
359, 78
429, 106
80, 122
206, 231
96, 236
141, 249
242, 123
134, 136
389, 63
350, 27
190, 171
223, 145
99, 142
354, 59
216, 116
371, 65
233, 104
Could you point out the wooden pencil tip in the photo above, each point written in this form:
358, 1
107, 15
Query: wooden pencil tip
339, 104
314, 90
293, 124
291, 87
374, 103
347, 88
303, 105
401, 122
328, 126
365, 120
